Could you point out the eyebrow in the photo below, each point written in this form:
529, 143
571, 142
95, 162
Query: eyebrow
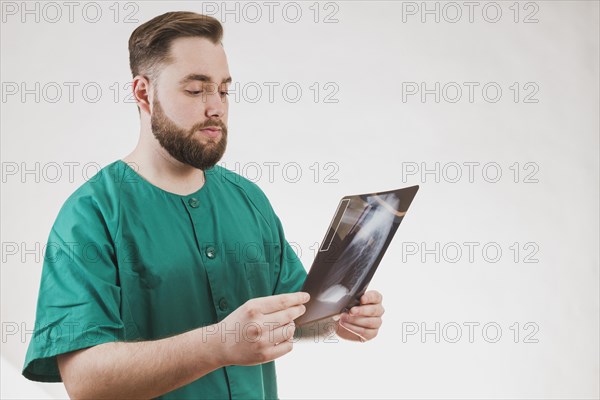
202, 78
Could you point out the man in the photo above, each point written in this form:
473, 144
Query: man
167, 275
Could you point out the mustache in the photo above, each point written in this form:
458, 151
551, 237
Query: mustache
209, 123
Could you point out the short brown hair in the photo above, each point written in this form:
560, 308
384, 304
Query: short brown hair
150, 43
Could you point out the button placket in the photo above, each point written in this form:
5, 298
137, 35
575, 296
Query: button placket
208, 251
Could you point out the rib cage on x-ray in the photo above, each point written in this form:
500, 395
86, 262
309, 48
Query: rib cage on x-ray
366, 237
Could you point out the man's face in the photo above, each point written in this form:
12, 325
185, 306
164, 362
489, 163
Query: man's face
190, 118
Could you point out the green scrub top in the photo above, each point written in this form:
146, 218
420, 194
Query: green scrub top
128, 261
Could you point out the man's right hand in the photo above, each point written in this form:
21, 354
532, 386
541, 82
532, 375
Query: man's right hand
260, 330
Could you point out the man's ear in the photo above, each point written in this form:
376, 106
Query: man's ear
141, 93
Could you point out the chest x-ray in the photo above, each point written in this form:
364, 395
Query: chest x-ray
358, 236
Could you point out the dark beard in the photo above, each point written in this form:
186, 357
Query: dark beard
182, 145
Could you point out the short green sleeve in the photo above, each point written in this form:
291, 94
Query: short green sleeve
292, 273
79, 295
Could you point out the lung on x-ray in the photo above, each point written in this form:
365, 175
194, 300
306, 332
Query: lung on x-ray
356, 240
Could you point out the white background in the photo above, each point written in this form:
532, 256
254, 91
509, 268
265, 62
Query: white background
366, 53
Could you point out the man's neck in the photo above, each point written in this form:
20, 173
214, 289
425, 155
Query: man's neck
155, 165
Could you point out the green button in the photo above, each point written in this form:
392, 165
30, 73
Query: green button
210, 252
194, 202
223, 304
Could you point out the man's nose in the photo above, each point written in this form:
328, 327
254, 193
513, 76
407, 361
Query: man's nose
215, 104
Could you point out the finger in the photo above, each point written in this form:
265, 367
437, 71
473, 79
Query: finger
267, 336
369, 310
367, 333
366, 322
271, 304
281, 334
286, 316
371, 297
273, 352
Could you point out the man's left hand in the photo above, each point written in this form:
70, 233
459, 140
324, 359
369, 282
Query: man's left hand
364, 320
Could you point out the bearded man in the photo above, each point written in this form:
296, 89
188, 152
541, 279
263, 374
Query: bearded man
167, 276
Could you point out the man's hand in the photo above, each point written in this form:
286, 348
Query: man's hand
260, 330
148, 369
364, 319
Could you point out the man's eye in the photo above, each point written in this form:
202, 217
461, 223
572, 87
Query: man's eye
224, 93
194, 92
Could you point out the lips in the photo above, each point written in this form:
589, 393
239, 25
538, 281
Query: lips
211, 131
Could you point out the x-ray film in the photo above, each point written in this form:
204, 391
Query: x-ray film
356, 240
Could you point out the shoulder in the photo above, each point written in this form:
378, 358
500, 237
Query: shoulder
96, 200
